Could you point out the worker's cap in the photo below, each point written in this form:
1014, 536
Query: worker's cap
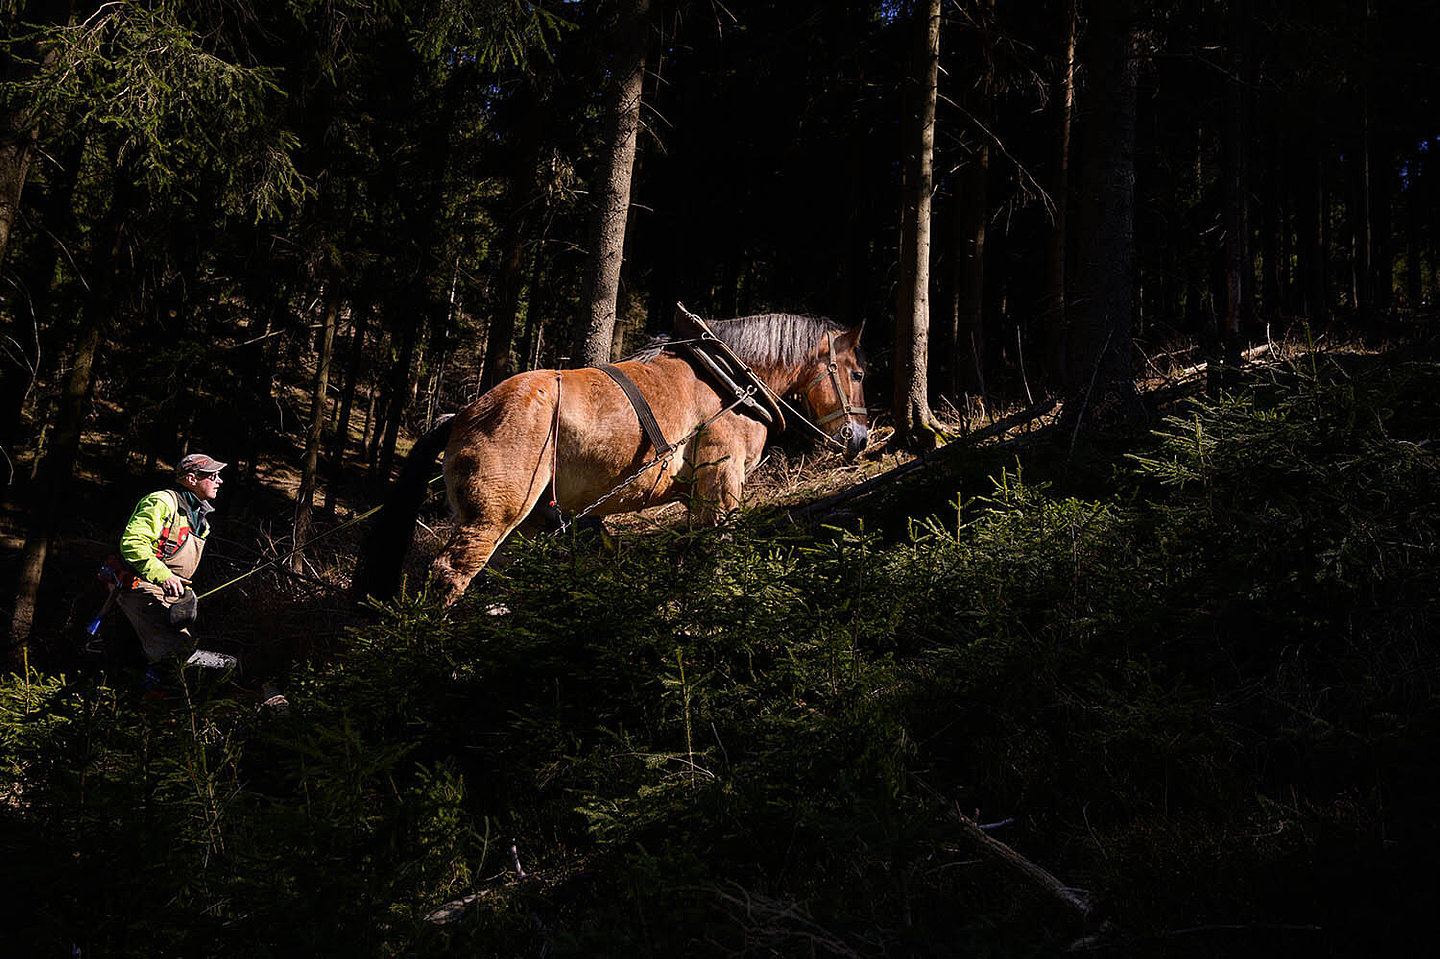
199, 463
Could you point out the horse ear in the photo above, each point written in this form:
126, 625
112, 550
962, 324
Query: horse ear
852, 336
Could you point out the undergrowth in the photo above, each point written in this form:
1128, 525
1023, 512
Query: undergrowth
1207, 698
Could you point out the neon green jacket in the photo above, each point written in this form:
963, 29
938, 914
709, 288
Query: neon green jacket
157, 527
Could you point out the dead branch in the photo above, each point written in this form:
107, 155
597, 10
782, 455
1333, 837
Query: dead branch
454, 909
1076, 900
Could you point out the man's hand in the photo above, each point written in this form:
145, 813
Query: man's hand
174, 587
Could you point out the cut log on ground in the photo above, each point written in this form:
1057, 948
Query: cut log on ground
848, 501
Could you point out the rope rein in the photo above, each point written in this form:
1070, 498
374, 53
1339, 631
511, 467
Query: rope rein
305, 545
555, 446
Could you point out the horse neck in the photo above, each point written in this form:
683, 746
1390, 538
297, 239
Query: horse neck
785, 380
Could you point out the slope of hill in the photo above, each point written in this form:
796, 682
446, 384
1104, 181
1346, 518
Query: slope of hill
1188, 674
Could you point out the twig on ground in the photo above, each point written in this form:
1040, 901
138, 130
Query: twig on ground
515, 861
1075, 900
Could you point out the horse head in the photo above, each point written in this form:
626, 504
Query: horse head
835, 389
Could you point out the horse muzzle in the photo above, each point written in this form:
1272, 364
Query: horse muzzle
853, 436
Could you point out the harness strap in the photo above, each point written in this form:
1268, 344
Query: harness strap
832, 370
164, 548
642, 408
726, 378
728, 371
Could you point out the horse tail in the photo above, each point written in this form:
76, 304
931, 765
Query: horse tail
383, 556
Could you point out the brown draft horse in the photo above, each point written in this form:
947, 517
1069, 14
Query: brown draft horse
502, 455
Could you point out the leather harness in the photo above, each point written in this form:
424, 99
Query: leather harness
642, 408
726, 371
731, 378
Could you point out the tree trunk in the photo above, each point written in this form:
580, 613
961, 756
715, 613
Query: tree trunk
1236, 194
18, 130
969, 320
972, 212
1273, 231
310, 469
531, 344
622, 121
1056, 319
1413, 280
1310, 252
259, 359
17, 139
914, 423
31, 322
524, 202
367, 434
1100, 378
397, 393
56, 469
359, 317
1382, 244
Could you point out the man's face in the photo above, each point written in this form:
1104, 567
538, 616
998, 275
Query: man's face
205, 486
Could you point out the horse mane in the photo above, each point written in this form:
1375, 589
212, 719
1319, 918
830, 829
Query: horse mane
763, 339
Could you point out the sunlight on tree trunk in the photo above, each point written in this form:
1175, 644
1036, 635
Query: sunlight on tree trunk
914, 423
613, 207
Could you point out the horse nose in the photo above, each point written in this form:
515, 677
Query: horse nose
854, 436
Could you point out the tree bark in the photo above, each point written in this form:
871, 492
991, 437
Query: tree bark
1272, 230
607, 248
914, 423
1056, 319
1100, 377
310, 469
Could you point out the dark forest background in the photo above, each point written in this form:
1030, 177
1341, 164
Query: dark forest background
291, 234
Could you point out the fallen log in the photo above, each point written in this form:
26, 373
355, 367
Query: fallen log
847, 499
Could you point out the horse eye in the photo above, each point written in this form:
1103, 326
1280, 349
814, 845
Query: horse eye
857, 374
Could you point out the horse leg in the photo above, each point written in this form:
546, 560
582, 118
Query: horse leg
469, 549
716, 492
485, 514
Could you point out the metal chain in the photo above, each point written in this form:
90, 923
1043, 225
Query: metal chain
748, 392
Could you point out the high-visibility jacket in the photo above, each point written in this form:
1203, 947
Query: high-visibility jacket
156, 536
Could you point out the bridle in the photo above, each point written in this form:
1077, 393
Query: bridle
845, 407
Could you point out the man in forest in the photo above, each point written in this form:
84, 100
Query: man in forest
161, 546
